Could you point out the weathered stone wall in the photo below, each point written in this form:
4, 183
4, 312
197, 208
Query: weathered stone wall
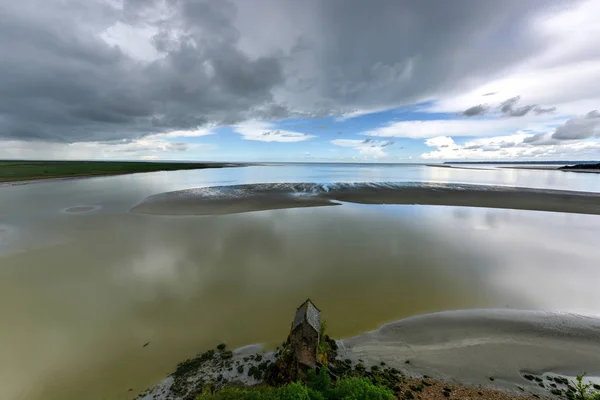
305, 341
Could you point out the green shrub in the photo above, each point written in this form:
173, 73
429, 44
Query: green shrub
320, 382
360, 389
293, 391
297, 391
319, 388
583, 391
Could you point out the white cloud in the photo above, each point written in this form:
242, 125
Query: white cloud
366, 147
465, 127
514, 146
182, 134
440, 141
266, 132
134, 41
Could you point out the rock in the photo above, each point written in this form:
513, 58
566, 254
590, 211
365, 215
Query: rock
407, 362
240, 369
409, 396
541, 384
258, 358
521, 388
538, 379
416, 388
491, 378
553, 385
146, 344
596, 386
529, 377
557, 392
221, 347
227, 354
570, 395
447, 394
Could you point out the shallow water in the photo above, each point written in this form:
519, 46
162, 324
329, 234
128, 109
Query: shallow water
81, 292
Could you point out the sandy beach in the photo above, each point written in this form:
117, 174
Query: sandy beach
246, 198
470, 347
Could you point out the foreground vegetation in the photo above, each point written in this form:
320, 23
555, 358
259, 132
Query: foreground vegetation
318, 387
14, 171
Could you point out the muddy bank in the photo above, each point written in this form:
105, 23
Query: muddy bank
496, 349
257, 197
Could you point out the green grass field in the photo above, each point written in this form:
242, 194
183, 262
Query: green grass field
14, 171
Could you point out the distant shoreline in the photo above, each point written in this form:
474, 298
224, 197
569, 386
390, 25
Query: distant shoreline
28, 172
531, 166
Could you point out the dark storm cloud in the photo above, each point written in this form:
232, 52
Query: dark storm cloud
226, 61
581, 127
541, 139
509, 108
406, 54
476, 110
540, 110
69, 85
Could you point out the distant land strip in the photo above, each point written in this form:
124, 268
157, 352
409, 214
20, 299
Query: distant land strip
23, 171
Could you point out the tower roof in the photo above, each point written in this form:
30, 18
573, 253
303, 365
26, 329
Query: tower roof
309, 311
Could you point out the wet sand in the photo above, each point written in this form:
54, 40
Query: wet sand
470, 347
81, 209
246, 198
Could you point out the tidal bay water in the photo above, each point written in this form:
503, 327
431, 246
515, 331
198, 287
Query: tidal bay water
84, 284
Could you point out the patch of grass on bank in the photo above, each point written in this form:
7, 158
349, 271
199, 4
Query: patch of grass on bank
318, 387
14, 171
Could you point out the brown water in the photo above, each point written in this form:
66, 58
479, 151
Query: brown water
81, 293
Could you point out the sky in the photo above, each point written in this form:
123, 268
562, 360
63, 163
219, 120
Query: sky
300, 81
